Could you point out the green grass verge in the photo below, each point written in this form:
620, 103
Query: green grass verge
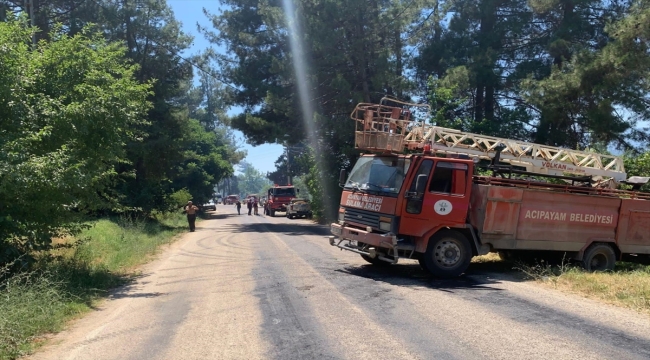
63, 287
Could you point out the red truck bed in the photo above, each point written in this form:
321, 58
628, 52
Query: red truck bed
513, 215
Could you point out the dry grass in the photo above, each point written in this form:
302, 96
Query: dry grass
489, 258
623, 286
627, 286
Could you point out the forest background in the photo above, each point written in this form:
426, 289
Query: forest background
107, 126
101, 114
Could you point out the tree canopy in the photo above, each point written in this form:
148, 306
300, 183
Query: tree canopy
101, 115
559, 72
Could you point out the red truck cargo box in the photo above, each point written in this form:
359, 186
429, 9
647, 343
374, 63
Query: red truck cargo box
519, 218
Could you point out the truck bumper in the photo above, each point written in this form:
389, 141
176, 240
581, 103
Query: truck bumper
374, 245
302, 213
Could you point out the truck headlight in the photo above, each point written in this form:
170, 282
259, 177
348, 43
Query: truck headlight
385, 223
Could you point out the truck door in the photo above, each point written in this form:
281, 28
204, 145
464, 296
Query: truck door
443, 202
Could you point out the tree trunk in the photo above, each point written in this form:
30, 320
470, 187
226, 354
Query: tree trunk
489, 102
564, 33
130, 37
480, 100
485, 77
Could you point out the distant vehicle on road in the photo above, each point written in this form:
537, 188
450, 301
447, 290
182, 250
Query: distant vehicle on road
218, 199
231, 199
299, 208
278, 198
210, 205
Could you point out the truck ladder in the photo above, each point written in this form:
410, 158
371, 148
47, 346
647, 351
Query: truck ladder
391, 129
540, 159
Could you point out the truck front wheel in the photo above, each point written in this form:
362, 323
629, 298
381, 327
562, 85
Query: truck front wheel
448, 254
599, 257
272, 213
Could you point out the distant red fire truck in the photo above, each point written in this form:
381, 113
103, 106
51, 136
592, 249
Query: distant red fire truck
278, 197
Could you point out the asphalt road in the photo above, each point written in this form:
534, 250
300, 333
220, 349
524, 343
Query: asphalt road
255, 287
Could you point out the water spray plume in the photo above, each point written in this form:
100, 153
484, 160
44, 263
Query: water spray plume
305, 95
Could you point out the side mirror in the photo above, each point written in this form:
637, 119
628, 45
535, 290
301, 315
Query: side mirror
297, 191
342, 177
421, 183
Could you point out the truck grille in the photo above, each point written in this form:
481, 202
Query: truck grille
364, 217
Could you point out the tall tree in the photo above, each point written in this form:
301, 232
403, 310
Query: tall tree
157, 162
353, 51
251, 180
536, 71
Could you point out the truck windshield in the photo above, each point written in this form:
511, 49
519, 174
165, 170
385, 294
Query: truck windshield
378, 174
284, 192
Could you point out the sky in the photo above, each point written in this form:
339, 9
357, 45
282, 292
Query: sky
190, 12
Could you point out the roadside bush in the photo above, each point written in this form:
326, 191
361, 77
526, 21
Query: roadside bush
66, 111
177, 199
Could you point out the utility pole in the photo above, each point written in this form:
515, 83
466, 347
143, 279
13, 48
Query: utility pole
288, 166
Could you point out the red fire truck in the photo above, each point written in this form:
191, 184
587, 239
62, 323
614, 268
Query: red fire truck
231, 199
278, 197
416, 195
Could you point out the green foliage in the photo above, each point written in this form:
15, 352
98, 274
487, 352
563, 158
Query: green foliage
556, 72
298, 164
325, 204
251, 180
447, 101
67, 111
313, 180
300, 184
178, 199
204, 162
638, 165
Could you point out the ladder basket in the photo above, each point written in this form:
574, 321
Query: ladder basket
380, 128
379, 141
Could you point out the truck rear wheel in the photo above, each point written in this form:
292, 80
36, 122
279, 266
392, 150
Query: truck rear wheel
599, 257
448, 254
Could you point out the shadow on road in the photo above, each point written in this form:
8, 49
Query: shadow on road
412, 275
285, 229
406, 273
216, 216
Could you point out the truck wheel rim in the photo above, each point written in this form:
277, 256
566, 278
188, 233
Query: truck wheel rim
448, 253
598, 262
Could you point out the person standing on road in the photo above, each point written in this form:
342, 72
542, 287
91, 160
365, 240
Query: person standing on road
249, 204
255, 207
238, 207
191, 210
